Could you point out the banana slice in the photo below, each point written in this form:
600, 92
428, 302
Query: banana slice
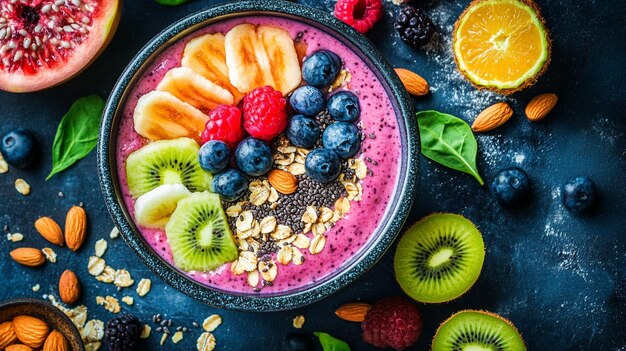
283, 57
161, 115
261, 55
194, 89
206, 56
154, 208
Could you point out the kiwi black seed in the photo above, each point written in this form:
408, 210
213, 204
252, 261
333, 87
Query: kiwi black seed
166, 162
439, 258
477, 330
198, 234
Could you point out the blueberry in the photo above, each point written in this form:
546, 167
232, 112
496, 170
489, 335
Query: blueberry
18, 147
578, 194
214, 156
230, 184
343, 138
322, 165
302, 131
296, 342
321, 68
253, 157
344, 106
307, 100
510, 186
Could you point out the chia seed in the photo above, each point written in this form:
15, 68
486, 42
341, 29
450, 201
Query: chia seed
195, 324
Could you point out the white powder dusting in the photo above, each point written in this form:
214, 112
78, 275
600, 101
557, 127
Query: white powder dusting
458, 90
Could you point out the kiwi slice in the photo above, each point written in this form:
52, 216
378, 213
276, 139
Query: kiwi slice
166, 162
439, 258
198, 234
477, 331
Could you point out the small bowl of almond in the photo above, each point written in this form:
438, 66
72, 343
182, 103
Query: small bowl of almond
29, 324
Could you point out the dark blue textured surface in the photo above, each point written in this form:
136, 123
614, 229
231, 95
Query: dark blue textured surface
558, 276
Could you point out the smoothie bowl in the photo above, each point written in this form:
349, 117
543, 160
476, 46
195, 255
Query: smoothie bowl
258, 155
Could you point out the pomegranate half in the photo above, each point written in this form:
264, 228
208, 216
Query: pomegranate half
46, 42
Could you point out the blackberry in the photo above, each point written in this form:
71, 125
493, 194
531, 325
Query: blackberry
414, 26
122, 333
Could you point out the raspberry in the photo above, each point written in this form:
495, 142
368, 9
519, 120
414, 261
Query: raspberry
359, 14
392, 322
224, 124
264, 113
414, 26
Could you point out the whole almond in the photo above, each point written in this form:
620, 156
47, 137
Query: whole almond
75, 227
30, 330
540, 106
50, 230
413, 82
18, 347
69, 287
353, 312
55, 342
28, 256
7, 334
283, 181
492, 117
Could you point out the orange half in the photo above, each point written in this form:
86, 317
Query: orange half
501, 44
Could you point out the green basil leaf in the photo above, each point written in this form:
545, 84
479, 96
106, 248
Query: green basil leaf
171, 2
448, 140
330, 343
77, 133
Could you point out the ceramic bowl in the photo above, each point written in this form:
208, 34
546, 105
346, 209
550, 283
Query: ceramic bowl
387, 230
55, 318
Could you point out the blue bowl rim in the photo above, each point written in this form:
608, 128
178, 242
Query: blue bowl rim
395, 216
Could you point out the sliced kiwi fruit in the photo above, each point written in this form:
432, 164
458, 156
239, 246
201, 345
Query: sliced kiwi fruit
198, 234
166, 162
477, 331
439, 258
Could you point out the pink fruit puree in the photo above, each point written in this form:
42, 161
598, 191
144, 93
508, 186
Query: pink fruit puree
350, 234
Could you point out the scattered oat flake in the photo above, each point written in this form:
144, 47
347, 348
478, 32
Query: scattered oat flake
101, 247
206, 342
178, 336
145, 332
96, 265
109, 303
298, 321
22, 187
50, 254
144, 286
93, 330
36, 287
114, 233
4, 166
212, 322
93, 346
128, 300
107, 276
123, 279
15, 237
163, 339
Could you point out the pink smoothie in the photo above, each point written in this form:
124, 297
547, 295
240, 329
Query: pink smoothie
381, 150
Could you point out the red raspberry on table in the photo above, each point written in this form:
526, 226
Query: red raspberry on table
264, 113
224, 124
359, 14
392, 322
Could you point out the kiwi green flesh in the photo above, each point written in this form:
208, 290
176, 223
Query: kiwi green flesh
166, 162
477, 331
439, 258
199, 235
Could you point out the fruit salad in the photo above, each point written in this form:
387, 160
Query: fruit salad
258, 155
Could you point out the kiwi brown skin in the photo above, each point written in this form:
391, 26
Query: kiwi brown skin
481, 312
529, 82
479, 272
